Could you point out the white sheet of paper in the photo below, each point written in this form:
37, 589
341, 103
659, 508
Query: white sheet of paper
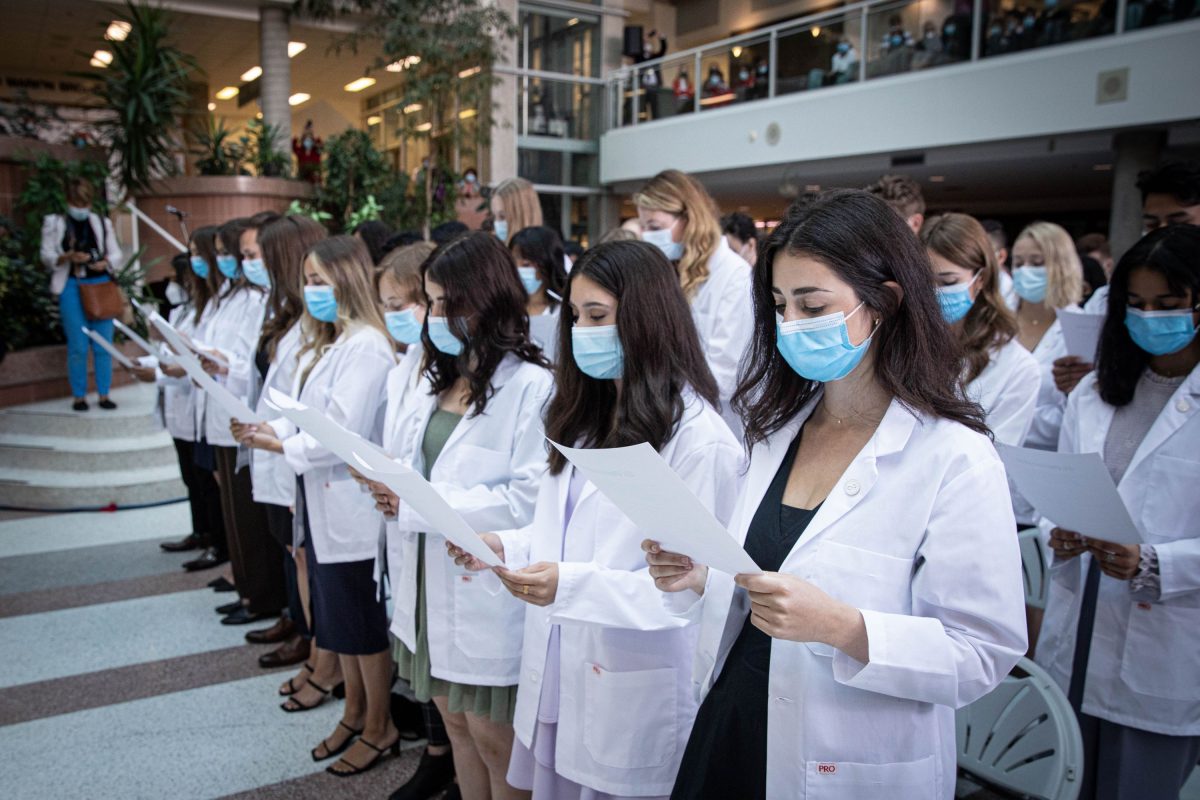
1072, 490
640, 483
332, 436
107, 345
543, 329
233, 405
201, 349
137, 339
411, 487
1081, 331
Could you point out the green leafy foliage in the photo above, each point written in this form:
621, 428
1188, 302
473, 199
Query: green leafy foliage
28, 312
218, 152
369, 210
260, 145
300, 209
45, 192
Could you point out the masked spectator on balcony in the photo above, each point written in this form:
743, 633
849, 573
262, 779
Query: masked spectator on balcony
896, 37
685, 92
843, 67
715, 83
762, 77
929, 48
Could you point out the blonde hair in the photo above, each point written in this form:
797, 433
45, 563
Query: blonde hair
403, 265
521, 207
345, 264
680, 194
1064, 271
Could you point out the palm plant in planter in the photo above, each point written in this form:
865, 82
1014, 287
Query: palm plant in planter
218, 152
259, 144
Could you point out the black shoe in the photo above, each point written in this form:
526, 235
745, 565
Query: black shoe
189, 542
229, 608
433, 774
407, 717
221, 585
244, 616
453, 793
79, 405
207, 560
107, 405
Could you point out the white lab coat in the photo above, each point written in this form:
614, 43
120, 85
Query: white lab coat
179, 396
489, 471
403, 382
346, 385
54, 227
271, 478
723, 309
1144, 667
1008, 290
1098, 302
620, 649
233, 329
917, 534
1007, 389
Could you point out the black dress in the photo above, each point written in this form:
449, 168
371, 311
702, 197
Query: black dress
726, 755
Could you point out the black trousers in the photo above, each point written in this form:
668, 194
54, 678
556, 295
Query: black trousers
254, 554
203, 497
279, 521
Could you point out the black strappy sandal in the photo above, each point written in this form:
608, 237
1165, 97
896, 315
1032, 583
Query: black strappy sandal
294, 706
330, 753
291, 683
393, 749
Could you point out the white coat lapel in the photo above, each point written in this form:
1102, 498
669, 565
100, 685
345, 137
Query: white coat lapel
1178, 410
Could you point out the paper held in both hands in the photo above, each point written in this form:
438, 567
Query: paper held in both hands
1073, 490
371, 461
639, 482
187, 344
1081, 332
135, 337
232, 405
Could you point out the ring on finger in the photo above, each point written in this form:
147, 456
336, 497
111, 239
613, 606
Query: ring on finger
1110, 557
525, 589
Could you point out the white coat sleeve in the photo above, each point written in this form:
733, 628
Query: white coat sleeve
967, 627
591, 593
353, 402
517, 544
1047, 419
1012, 414
1178, 567
242, 347
731, 332
51, 241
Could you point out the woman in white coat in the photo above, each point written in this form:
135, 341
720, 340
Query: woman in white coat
598, 640
1122, 627
999, 373
344, 356
477, 436
538, 252
879, 509
679, 217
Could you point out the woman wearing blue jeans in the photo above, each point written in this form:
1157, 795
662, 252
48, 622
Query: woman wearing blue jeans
80, 247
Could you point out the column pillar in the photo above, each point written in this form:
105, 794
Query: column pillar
502, 152
275, 84
1134, 151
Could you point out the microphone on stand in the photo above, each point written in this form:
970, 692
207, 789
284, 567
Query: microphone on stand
180, 215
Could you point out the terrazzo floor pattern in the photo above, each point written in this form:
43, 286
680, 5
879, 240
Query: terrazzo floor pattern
119, 681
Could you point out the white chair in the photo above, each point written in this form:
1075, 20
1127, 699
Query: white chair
1022, 738
1033, 567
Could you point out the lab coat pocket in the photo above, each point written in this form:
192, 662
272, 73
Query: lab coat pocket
846, 780
609, 699
1173, 509
482, 465
1146, 667
487, 620
865, 579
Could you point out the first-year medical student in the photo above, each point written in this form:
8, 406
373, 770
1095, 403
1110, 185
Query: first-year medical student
606, 700
1138, 697
476, 434
879, 510
998, 372
344, 358
679, 217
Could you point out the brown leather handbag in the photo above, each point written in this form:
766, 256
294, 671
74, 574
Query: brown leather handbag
102, 300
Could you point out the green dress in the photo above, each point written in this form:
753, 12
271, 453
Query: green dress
494, 702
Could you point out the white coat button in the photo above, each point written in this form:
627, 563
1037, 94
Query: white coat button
852, 487
1182, 405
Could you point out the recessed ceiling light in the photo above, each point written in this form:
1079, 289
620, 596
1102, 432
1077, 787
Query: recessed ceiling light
375, 120
101, 59
298, 98
251, 74
118, 30
296, 48
466, 73
425, 126
1102, 168
937, 178
409, 109
816, 31
228, 93
359, 84
403, 64
212, 106
737, 52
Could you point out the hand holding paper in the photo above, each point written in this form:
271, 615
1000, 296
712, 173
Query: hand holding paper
223, 397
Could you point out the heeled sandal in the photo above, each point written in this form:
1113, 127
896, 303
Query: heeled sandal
380, 752
291, 683
341, 748
293, 706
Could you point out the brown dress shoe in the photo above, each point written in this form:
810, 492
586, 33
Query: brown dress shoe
281, 631
293, 651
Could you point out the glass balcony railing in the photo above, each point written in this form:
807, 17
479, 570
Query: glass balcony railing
864, 41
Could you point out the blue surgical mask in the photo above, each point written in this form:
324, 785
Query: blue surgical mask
530, 279
1030, 283
843, 48
819, 349
228, 266
662, 240
403, 325
78, 214
321, 303
896, 40
1160, 332
442, 337
256, 272
956, 300
500, 228
598, 352
200, 267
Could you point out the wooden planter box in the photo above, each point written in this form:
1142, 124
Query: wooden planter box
208, 200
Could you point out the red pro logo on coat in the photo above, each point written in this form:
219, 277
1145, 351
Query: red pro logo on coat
826, 769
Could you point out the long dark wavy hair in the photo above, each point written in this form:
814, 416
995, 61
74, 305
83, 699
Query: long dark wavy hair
916, 359
230, 235
544, 249
205, 290
485, 306
662, 356
1174, 253
284, 242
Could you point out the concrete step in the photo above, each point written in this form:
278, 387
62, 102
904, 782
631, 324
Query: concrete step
57, 490
88, 454
134, 416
